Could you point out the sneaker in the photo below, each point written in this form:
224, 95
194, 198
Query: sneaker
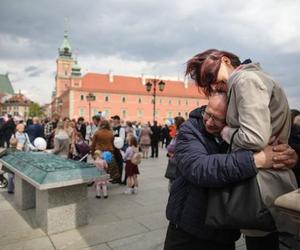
98, 197
105, 196
135, 190
128, 191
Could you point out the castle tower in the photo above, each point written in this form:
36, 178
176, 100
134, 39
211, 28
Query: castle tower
76, 75
64, 64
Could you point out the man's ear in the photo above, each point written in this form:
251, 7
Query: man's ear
226, 60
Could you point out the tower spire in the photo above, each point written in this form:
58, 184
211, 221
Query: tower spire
65, 49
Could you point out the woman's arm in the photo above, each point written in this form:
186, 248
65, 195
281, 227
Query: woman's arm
29, 144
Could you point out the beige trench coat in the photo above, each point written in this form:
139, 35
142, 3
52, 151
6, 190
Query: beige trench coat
257, 110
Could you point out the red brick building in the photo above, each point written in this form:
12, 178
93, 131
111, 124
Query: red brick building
116, 94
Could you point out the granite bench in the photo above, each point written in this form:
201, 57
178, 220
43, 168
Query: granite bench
56, 187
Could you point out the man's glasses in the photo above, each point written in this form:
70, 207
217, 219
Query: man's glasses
218, 121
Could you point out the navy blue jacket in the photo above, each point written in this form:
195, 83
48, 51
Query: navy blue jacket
203, 163
34, 131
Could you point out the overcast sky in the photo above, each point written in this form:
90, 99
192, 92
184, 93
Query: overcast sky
151, 37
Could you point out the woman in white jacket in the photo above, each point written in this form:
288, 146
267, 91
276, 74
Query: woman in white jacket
61, 141
22, 144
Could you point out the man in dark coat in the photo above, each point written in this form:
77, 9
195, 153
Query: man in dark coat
7, 130
81, 127
35, 130
165, 134
202, 163
155, 136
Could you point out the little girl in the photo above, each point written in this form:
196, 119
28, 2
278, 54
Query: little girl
101, 164
131, 169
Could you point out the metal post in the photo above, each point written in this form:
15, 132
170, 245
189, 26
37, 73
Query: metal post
89, 110
90, 97
154, 100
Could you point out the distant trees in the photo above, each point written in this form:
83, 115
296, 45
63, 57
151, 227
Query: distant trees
35, 110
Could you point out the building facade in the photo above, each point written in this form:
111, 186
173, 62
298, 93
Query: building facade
83, 96
17, 105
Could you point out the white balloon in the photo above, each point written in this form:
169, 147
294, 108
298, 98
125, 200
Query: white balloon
40, 143
168, 123
103, 114
118, 142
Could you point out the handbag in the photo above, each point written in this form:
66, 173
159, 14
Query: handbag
171, 169
238, 206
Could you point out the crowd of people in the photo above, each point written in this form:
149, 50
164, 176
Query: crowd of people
246, 134
127, 144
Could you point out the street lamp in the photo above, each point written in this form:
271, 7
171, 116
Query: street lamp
161, 85
90, 98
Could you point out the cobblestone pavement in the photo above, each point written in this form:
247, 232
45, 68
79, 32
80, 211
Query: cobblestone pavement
135, 222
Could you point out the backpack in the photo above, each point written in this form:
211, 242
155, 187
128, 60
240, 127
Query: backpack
136, 158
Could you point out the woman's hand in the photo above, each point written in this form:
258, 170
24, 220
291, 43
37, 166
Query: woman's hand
225, 134
278, 157
285, 156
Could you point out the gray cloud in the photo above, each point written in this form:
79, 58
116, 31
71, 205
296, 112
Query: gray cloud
162, 33
30, 68
33, 71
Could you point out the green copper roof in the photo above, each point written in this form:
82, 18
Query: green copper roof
76, 69
5, 85
44, 170
65, 49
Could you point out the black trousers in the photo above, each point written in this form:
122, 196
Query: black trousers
154, 148
177, 239
270, 242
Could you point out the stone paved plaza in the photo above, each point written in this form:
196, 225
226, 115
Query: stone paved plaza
135, 222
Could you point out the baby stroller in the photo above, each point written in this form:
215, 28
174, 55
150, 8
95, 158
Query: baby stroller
82, 150
3, 180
